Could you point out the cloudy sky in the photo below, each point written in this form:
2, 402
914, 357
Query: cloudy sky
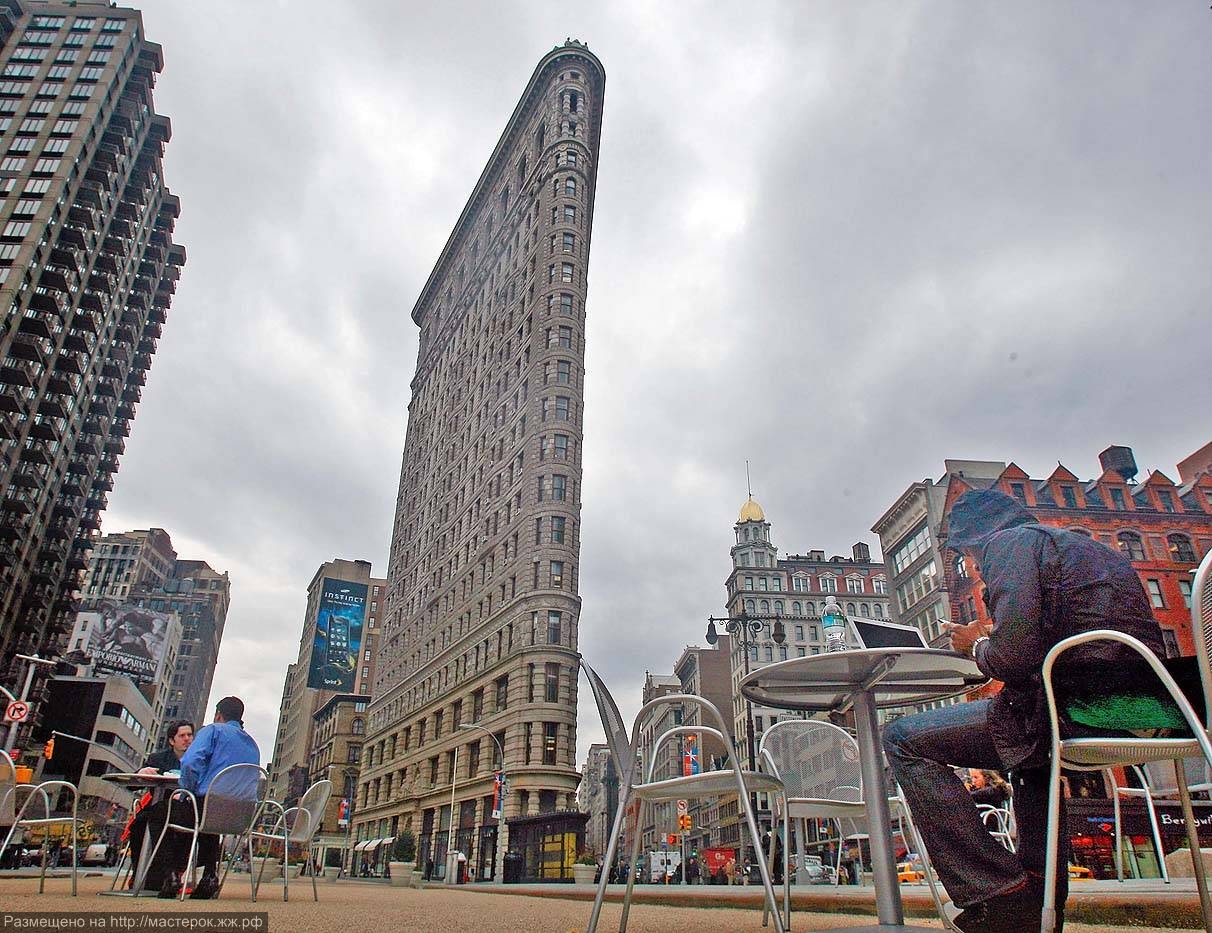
841, 240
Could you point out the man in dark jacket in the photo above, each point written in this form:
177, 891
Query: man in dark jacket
1042, 584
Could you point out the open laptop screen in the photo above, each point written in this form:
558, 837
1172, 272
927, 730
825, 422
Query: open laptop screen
872, 634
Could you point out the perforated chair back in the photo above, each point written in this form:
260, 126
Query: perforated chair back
617, 739
310, 812
815, 760
1201, 629
1163, 783
233, 799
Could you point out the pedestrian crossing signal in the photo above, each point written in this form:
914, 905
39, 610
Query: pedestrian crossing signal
684, 822
48, 750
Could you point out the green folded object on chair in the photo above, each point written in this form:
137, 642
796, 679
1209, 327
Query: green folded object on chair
1126, 712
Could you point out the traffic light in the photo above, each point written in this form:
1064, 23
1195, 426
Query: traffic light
48, 750
684, 823
672, 839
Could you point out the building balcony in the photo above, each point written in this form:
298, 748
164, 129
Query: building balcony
115, 446
61, 382
85, 321
92, 301
55, 280
67, 256
17, 372
74, 237
13, 399
133, 393
34, 452
106, 263
74, 342
51, 302
101, 281
104, 481
90, 520
68, 363
35, 325
111, 370
95, 502
26, 346
121, 427
15, 501
47, 429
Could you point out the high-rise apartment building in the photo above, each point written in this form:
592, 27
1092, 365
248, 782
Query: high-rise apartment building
482, 610
141, 568
87, 273
336, 656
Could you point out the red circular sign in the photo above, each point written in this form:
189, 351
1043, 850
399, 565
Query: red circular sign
17, 711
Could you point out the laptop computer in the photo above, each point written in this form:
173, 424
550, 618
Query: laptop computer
872, 633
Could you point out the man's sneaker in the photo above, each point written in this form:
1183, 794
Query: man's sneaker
171, 886
1009, 912
208, 887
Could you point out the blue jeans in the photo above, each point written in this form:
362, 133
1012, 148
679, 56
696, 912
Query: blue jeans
973, 866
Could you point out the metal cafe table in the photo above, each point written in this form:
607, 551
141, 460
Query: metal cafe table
867, 679
159, 784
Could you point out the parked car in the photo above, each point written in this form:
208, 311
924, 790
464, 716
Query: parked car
1080, 873
98, 854
908, 872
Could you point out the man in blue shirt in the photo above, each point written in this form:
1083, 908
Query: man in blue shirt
217, 746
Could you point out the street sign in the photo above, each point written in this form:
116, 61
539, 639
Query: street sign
682, 808
16, 711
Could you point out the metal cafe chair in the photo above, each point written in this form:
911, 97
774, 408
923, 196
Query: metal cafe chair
15, 817
231, 806
294, 826
818, 765
626, 752
1097, 753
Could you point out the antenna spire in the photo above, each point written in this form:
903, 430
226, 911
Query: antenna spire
748, 483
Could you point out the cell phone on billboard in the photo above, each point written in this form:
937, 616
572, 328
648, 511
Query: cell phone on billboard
338, 640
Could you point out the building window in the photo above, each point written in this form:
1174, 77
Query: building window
554, 626
1018, 491
570, 214
551, 682
1117, 499
1069, 496
917, 545
1155, 594
1131, 544
1184, 587
570, 187
559, 487
1166, 498
558, 523
828, 584
565, 272
569, 243
880, 584
1181, 549
550, 730
557, 574
477, 705
854, 584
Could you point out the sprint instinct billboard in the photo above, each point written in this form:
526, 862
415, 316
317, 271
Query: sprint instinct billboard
338, 638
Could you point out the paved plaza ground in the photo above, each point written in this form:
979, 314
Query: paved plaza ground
362, 906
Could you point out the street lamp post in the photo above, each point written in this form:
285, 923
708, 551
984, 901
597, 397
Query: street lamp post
747, 627
498, 866
32, 660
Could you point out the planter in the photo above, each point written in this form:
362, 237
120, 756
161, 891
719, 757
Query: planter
331, 872
292, 871
583, 874
272, 867
401, 874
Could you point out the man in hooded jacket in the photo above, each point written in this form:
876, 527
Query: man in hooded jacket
1042, 584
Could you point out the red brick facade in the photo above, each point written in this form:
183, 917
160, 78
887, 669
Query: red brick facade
1165, 529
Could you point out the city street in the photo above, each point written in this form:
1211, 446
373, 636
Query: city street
476, 910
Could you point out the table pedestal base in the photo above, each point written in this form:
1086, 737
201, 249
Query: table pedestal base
880, 928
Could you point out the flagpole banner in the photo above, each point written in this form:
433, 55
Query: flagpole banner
338, 635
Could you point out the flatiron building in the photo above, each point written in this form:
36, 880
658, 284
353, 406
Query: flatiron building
482, 609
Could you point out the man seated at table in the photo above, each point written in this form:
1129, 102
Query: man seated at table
221, 744
180, 734
1042, 584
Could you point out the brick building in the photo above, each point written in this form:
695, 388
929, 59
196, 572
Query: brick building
1163, 527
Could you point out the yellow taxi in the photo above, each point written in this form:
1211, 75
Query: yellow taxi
1080, 873
908, 873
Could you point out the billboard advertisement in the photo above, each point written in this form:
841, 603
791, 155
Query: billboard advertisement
338, 638
131, 641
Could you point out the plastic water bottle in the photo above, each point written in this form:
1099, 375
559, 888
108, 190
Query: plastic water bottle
833, 621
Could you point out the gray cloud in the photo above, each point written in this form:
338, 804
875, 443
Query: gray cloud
843, 241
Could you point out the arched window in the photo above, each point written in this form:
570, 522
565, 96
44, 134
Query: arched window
1131, 544
764, 605
879, 610
1181, 549
797, 609
811, 608
749, 606
850, 610
864, 610
778, 606
1081, 531
359, 726
570, 187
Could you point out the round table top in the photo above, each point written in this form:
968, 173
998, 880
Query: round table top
140, 780
893, 676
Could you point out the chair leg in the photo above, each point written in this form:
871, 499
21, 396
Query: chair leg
919, 845
635, 854
1197, 859
837, 867
311, 867
612, 847
1052, 844
1117, 816
1157, 843
751, 822
75, 837
189, 864
786, 863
